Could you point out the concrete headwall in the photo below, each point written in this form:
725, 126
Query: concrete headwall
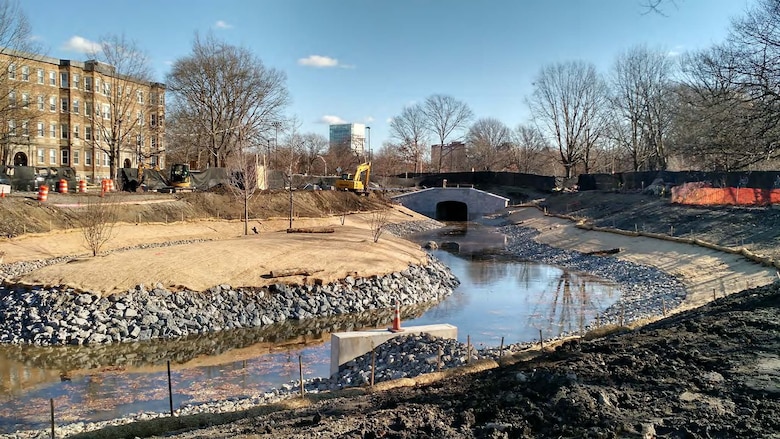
478, 202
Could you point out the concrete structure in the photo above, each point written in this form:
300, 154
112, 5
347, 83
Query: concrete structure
345, 346
452, 203
58, 112
352, 134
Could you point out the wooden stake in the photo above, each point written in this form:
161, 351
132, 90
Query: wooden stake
373, 365
663, 304
438, 359
468, 349
541, 339
51, 403
170, 388
300, 373
501, 350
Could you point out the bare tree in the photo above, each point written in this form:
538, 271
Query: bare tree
567, 99
314, 147
15, 41
445, 115
530, 152
242, 167
489, 143
378, 223
731, 95
97, 221
410, 129
220, 87
123, 76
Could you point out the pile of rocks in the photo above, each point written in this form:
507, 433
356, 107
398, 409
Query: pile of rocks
57, 316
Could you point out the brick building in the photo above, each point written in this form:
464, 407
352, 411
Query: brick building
58, 112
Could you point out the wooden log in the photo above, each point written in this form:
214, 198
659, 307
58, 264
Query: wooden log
294, 272
312, 230
611, 251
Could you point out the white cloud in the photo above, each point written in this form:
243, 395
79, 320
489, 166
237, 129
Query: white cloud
81, 44
221, 24
318, 61
676, 51
389, 120
331, 120
368, 119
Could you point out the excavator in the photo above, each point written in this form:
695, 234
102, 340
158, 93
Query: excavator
357, 182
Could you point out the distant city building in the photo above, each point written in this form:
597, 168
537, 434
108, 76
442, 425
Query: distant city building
453, 157
352, 134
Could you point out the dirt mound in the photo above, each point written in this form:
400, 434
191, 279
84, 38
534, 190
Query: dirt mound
21, 213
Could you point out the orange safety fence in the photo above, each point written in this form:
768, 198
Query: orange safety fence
695, 194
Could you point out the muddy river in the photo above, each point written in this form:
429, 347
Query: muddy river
513, 300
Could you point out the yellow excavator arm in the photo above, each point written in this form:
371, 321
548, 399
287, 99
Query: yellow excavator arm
357, 182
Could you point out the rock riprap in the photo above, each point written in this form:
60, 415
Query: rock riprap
61, 315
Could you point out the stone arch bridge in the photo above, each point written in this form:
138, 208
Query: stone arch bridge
452, 203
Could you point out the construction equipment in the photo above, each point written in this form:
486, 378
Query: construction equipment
357, 182
180, 176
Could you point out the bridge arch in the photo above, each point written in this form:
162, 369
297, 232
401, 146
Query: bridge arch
452, 210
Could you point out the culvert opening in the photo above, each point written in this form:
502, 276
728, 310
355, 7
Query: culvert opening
452, 211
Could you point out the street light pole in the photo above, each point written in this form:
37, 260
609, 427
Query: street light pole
369, 143
276, 124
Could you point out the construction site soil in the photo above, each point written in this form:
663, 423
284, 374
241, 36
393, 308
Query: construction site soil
710, 371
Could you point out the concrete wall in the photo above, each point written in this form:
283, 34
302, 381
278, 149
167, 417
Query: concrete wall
345, 346
479, 202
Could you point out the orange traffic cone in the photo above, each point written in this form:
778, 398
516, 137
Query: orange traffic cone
396, 319
2, 193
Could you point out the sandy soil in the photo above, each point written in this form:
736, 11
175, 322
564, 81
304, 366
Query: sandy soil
228, 258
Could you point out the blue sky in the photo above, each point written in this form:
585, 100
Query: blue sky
364, 60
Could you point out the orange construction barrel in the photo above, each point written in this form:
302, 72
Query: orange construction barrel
63, 186
43, 192
111, 185
82, 186
103, 186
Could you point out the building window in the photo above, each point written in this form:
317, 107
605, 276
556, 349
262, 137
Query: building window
88, 133
140, 118
40, 76
53, 78
53, 130
25, 100
26, 129
11, 127
88, 158
76, 106
12, 98
40, 130
65, 158
105, 159
76, 157
76, 130
87, 83
25, 73
41, 103
140, 96
64, 80
52, 103
64, 105
107, 88
52, 157
106, 111
88, 109
154, 143
64, 130
75, 84
41, 156
12, 71
153, 120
